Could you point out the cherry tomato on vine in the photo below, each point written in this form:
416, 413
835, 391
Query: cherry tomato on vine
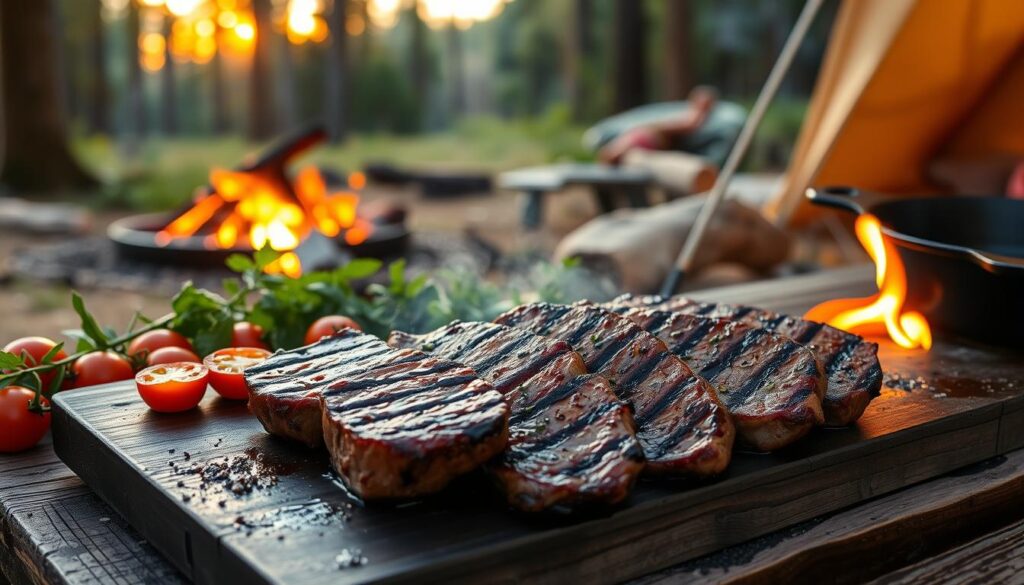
36, 348
20, 428
151, 341
101, 367
167, 355
246, 334
329, 325
173, 387
226, 367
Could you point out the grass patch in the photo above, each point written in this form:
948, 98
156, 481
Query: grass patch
161, 174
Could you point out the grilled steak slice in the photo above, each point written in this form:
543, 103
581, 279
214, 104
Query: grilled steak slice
683, 428
284, 391
771, 384
571, 440
402, 424
850, 363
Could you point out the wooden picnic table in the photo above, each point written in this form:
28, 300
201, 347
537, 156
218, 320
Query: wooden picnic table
967, 525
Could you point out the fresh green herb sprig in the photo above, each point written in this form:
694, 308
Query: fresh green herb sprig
285, 307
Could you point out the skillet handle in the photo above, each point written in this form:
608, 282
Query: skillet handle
996, 263
847, 198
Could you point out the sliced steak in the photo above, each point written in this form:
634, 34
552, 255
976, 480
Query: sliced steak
284, 391
398, 425
571, 441
850, 363
771, 384
683, 428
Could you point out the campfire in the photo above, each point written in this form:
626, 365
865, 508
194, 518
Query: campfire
261, 205
885, 312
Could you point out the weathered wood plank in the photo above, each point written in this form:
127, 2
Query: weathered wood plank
910, 525
993, 558
53, 529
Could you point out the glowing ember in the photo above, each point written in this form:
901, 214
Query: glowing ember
246, 209
882, 312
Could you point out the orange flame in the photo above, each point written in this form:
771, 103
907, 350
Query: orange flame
908, 329
246, 209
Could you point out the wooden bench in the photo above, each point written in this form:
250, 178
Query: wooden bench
606, 182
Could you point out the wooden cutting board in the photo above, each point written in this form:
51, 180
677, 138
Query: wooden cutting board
292, 522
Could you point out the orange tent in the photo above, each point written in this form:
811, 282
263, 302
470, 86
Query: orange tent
904, 81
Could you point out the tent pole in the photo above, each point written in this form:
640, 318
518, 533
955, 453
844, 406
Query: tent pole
739, 150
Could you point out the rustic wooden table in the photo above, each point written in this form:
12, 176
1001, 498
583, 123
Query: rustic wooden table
965, 526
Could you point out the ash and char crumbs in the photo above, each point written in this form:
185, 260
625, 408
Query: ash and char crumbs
350, 557
898, 381
237, 476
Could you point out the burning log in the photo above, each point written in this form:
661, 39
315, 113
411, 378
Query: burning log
260, 205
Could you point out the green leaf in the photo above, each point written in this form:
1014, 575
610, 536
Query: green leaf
231, 287
48, 357
90, 327
397, 274
57, 381
9, 361
240, 263
265, 256
213, 338
359, 268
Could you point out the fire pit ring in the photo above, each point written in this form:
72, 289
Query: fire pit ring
134, 238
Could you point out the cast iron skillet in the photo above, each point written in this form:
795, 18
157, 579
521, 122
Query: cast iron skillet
964, 258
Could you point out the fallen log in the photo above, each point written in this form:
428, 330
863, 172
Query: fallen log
636, 247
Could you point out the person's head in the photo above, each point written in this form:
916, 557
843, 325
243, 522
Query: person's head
703, 97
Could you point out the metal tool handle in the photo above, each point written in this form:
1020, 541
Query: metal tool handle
846, 198
739, 150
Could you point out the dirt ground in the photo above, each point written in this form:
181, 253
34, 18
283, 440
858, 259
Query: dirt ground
33, 307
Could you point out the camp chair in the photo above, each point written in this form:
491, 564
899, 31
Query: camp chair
633, 180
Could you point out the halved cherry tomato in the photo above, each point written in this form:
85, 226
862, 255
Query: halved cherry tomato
101, 367
329, 325
173, 387
20, 428
226, 367
167, 355
151, 341
246, 334
36, 348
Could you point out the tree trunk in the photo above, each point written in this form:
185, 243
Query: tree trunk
419, 64
579, 45
262, 124
284, 84
456, 83
220, 107
168, 88
629, 62
136, 103
679, 61
36, 157
99, 114
336, 106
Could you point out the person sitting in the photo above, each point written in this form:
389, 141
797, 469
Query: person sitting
702, 125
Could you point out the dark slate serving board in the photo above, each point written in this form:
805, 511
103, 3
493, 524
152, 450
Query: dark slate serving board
940, 410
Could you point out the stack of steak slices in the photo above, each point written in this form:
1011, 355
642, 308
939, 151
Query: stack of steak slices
849, 362
571, 440
682, 426
397, 424
771, 384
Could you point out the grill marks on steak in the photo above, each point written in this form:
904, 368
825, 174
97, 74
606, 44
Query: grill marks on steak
571, 441
397, 423
850, 363
771, 384
284, 391
683, 429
